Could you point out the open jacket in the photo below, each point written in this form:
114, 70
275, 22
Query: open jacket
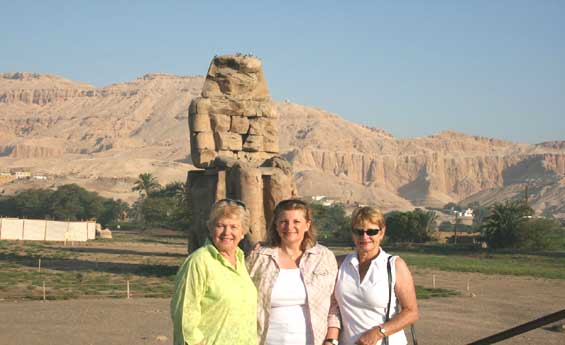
318, 268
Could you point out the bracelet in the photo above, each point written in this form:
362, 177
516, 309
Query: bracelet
332, 341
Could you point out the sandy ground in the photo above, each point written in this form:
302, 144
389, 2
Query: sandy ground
493, 304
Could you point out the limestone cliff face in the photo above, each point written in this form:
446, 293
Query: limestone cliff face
427, 171
69, 128
150, 110
26, 151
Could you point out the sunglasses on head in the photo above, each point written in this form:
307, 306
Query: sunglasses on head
232, 202
370, 232
291, 202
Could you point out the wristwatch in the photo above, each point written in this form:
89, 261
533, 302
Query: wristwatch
382, 330
331, 341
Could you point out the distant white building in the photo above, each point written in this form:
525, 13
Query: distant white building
468, 213
22, 174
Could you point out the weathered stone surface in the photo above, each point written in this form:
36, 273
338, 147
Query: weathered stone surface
239, 124
199, 122
200, 105
221, 184
226, 153
222, 162
256, 158
278, 186
204, 141
253, 143
228, 141
225, 105
202, 191
270, 144
248, 185
257, 109
220, 122
202, 158
264, 126
236, 76
279, 163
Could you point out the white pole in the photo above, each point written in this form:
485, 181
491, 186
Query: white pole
39, 266
127, 285
44, 290
468, 285
434, 280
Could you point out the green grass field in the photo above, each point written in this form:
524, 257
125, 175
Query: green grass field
464, 259
149, 261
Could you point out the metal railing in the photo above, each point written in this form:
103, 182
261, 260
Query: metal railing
523, 328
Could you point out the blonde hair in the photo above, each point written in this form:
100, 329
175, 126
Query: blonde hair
273, 237
229, 208
367, 214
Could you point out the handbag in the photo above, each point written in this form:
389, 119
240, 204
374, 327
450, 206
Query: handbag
387, 317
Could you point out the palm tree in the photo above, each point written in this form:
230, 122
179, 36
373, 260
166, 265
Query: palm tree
500, 227
146, 184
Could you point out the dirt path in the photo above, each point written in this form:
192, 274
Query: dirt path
497, 303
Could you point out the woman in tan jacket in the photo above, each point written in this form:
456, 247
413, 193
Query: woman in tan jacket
295, 278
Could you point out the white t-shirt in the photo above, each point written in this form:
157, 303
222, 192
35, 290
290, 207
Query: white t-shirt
362, 305
287, 320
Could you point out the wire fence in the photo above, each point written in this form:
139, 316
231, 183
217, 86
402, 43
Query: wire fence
47, 289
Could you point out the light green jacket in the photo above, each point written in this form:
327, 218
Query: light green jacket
214, 303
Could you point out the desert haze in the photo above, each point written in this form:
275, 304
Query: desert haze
103, 138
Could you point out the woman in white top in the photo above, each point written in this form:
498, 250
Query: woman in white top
362, 288
295, 278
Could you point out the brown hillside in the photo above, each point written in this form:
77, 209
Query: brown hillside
102, 138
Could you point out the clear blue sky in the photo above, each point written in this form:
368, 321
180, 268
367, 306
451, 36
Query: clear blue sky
490, 68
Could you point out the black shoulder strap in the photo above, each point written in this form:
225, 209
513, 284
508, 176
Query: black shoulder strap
412, 328
389, 274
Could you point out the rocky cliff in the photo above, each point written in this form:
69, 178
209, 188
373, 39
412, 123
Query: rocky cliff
82, 134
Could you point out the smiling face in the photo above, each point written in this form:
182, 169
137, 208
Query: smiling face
291, 227
366, 244
226, 233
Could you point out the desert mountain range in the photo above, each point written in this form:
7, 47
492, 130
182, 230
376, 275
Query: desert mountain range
103, 138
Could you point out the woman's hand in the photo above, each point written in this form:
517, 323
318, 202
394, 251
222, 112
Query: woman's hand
370, 337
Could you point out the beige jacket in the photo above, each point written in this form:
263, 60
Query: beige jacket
319, 269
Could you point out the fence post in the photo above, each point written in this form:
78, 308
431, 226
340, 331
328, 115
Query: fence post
127, 287
39, 266
45, 231
23, 229
468, 286
44, 290
434, 280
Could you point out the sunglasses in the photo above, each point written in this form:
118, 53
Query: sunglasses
232, 202
369, 232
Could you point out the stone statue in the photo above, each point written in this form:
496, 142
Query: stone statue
234, 139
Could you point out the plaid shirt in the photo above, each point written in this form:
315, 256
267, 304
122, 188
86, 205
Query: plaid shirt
318, 268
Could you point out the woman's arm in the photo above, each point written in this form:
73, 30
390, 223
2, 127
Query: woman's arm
334, 319
406, 294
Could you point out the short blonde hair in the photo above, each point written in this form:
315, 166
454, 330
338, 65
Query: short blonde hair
273, 237
367, 214
229, 208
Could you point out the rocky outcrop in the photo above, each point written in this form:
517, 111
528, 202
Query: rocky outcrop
234, 117
23, 151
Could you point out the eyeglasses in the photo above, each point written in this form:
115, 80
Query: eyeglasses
369, 232
231, 202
